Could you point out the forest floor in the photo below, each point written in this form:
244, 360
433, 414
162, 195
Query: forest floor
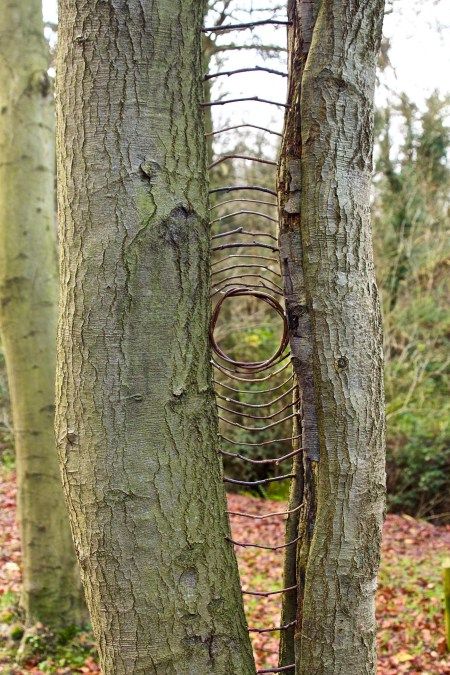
409, 602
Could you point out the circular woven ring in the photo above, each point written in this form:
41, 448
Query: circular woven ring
252, 366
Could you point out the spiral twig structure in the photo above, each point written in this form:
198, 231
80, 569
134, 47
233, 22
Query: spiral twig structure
254, 397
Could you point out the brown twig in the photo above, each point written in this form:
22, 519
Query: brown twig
240, 230
243, 26
258, 405
254, 483
253, 393
272, 630
253, 69
244, 244
246, 544
250, 201
257, 99
259, 417
241, 126
266, 594
257, 287
273, 460
243, 255
235, 376
234, 188
245, 157
280, 669
263, 428
246, 266
278, 440
265, 515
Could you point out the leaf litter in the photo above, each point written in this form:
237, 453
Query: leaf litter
409, 600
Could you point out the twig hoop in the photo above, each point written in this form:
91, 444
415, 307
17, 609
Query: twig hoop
251, 366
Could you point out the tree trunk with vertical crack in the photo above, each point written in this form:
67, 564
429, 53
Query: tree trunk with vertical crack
333, 105
51, 591
136, 417
303, 490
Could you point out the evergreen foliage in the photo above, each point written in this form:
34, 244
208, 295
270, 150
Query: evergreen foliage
411, 224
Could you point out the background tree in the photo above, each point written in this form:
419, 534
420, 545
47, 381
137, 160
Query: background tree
136, 419
28, 291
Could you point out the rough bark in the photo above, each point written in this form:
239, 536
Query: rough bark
336, 629
51, 591
136, 418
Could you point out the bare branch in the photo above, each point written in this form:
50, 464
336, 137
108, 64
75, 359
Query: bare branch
240, 126
244, 26
245, 157
266, 594
268, 49
208, 104
271, 630
255, 69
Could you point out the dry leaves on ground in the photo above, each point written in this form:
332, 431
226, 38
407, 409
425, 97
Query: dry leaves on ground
409, 601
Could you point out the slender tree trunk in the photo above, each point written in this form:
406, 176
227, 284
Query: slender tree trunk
136, 418
207, 113
303, 492
327, 221
51, 593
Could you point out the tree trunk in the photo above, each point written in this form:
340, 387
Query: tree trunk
51, 592
300, 523
136, 418
335, 630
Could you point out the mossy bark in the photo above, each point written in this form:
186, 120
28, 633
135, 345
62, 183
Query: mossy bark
335, 632
51, 592
136, 417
